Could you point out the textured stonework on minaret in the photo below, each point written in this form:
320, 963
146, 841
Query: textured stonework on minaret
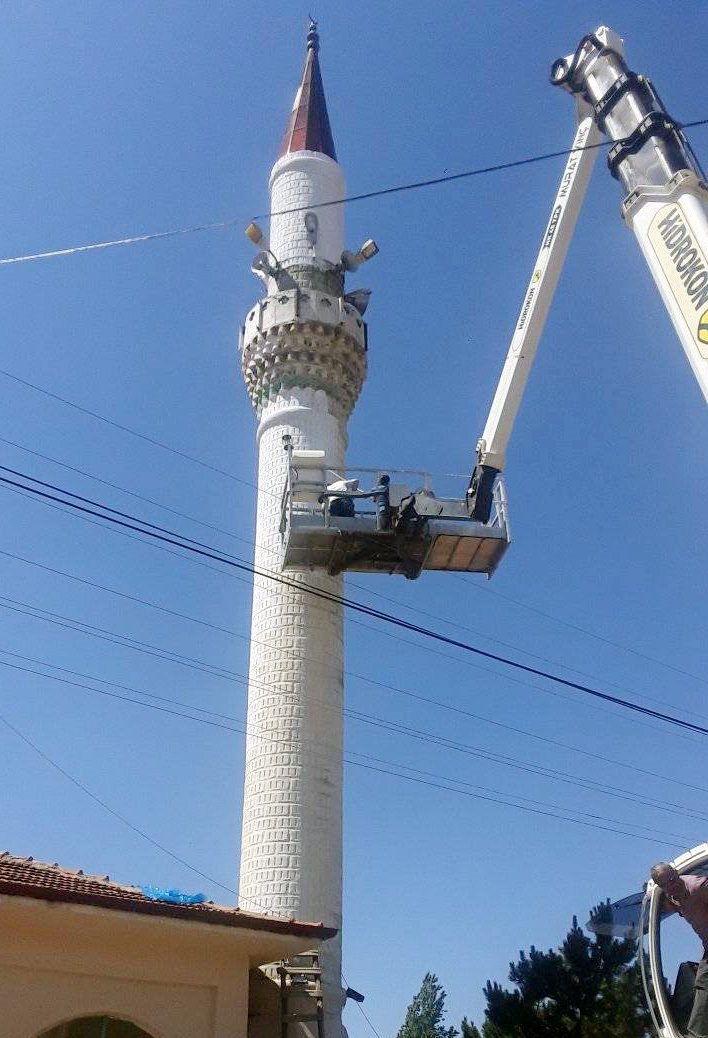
303, 351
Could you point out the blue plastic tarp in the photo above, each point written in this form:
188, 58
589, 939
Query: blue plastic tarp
172, 897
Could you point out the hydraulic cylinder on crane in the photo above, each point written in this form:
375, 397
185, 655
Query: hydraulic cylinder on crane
666, 207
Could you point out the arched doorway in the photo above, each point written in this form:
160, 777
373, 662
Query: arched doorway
95, 1027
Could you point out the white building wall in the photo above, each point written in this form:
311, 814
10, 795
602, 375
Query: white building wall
300, 179
291, 854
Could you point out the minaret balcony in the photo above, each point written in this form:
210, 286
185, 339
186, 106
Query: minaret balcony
304, 338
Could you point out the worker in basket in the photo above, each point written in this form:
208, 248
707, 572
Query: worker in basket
343, 493
688, 895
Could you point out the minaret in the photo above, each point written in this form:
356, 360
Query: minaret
304, 363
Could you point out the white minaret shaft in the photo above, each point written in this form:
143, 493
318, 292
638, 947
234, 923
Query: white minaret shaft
303, 356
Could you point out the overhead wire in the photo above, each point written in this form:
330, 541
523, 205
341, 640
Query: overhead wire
440, 781
394, 726
230, 631
582, 630
359, 587
170, 537
288, 652
174, 658
321, 749
440, 704
383, 632
106, 807
136, 830
126, 429
167, 851
552, 773
229, 675
158, 443
414, 185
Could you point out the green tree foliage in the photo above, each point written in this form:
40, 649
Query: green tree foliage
590, 987
468, 1029
426, 1013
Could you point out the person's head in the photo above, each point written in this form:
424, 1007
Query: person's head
384, 479
666, 877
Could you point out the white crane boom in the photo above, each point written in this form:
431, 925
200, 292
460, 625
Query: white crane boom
541, 289
666, 207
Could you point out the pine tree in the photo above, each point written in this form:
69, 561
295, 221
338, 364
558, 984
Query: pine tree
425, 1014
468, 1029
589, 988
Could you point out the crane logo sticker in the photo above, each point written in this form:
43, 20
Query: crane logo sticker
703, 328
685, 268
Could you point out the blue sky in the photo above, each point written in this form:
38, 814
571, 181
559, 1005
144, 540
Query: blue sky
138, 117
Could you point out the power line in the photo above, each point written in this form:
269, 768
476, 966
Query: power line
125, 490
233, 561
498, 167
431, 779
367, 591
352, 674
414, 185
141, 833
111, 811
388, 634
145, 836
543, 771
376, 594
127, 429
229, 675
397, 727
582, 630
360, 588
170, 537
217, 627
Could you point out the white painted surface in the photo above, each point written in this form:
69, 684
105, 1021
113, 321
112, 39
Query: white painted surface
304, 363
291, 854
301, 179
678, 261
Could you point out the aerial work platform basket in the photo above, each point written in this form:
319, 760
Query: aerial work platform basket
330, 522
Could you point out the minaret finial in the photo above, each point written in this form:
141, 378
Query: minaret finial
308, 126
313, 37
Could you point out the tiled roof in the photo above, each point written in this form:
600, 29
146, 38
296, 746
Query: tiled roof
25, 877
308, 126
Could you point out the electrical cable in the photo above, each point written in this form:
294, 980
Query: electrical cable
233, 633
541, 770
131, 493
582, 630
352, 674
360, 587
126, 428
414, 185
111, 811
214, 671
450, 177
182, 515
170, 537
174, 658
441, 782
385, 633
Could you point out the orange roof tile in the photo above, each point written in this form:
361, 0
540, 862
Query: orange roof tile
25, 877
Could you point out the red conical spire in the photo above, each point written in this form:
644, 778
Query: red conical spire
308, 126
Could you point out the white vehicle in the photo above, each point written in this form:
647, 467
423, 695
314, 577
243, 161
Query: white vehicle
404, 527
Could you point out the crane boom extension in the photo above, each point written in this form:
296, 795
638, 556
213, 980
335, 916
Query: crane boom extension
666, 207
491, 448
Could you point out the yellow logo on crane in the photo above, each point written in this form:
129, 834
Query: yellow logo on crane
703, 328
